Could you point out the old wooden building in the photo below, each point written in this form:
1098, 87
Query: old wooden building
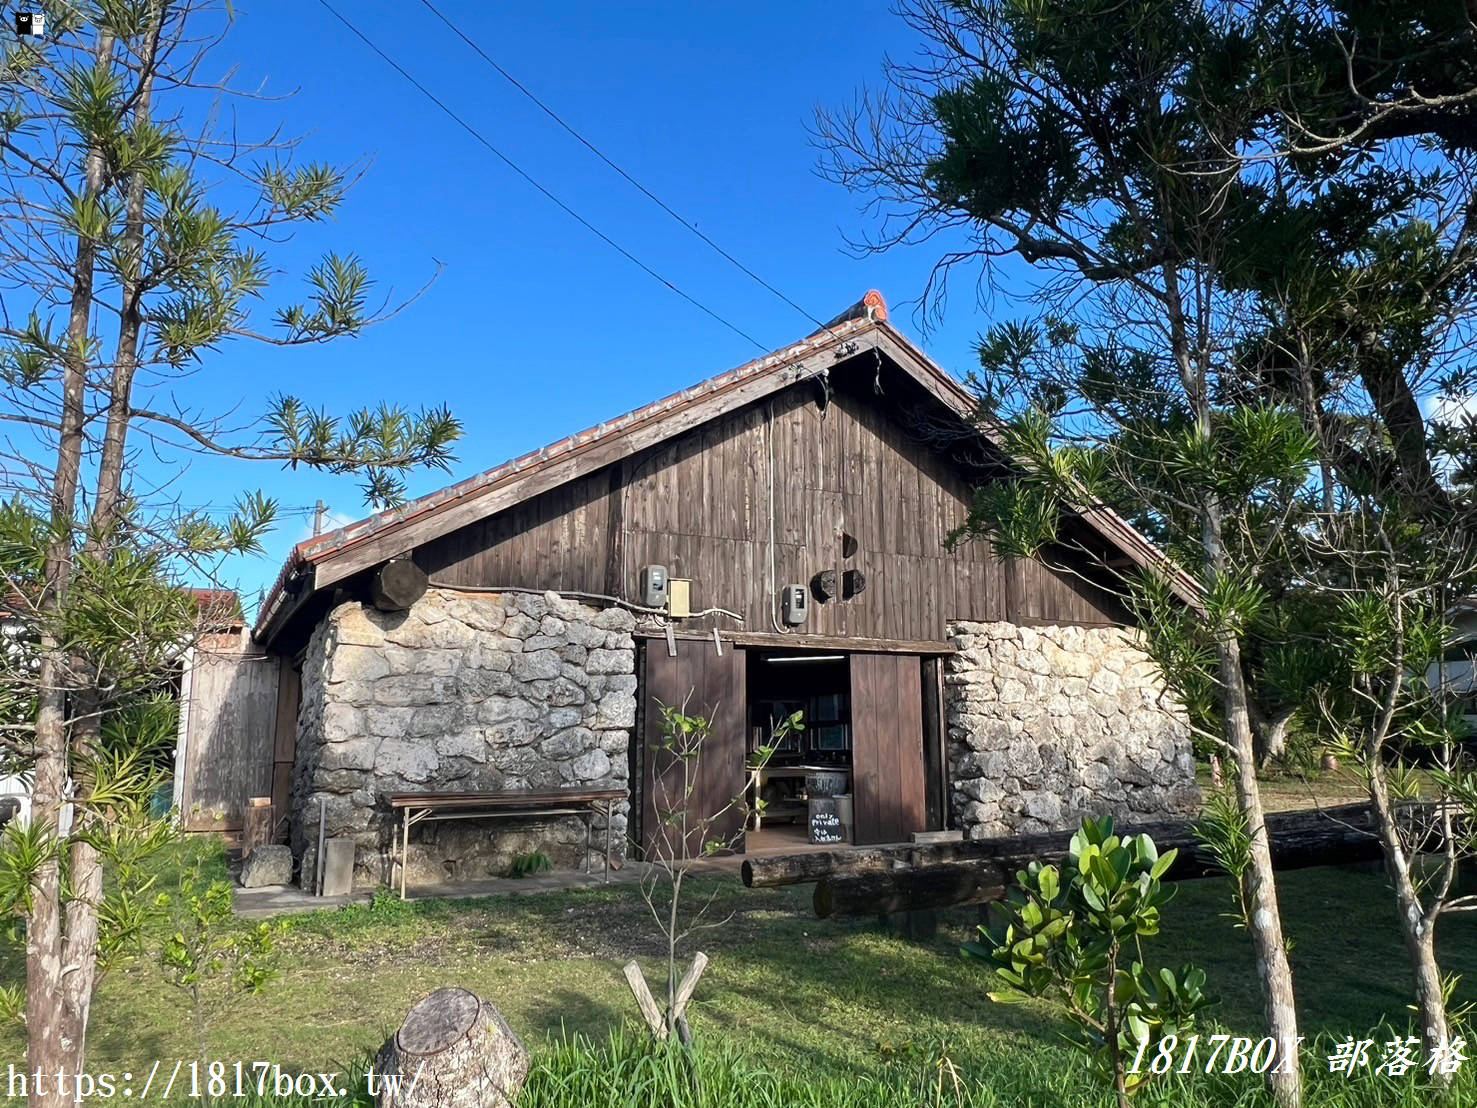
800, 508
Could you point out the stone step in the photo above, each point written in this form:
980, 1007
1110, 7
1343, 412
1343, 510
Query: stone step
938, 836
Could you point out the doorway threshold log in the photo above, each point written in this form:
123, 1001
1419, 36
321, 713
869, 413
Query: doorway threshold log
944, 886
915, 876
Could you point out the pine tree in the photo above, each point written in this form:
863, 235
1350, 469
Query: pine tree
136, 227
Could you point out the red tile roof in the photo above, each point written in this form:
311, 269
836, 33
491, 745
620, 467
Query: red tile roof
218, 607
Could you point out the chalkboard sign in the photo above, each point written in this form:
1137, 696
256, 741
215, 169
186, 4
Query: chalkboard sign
824, 824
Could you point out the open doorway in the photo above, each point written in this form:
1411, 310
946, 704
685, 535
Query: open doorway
806, 785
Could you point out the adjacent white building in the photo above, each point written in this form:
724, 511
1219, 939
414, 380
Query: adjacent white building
1455, 675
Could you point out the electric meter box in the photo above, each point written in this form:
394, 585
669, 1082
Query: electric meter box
654, 586
794, 605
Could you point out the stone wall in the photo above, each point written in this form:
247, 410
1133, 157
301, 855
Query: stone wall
1048, 724
464, 692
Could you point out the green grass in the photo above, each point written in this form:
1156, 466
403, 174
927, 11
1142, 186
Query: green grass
820, 1003
626, 1070
1285, 791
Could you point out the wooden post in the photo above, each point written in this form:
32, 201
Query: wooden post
404, 849
589, 835
318, 858
645, 1001
688, 984
257, 823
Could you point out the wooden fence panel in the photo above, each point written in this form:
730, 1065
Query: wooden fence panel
232, 736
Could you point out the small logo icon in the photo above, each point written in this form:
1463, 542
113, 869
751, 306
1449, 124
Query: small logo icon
30, 23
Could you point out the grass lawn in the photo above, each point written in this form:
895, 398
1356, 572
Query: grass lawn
1287, 792
799, 995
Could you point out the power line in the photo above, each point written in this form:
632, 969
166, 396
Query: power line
655, 199
303, 510
516, 168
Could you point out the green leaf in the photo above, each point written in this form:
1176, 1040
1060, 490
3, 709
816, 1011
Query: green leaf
1161, 867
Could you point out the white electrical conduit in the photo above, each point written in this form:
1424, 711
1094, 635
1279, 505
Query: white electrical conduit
644, 610
773, 584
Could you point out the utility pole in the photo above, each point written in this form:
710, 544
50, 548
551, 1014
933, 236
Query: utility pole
318, 510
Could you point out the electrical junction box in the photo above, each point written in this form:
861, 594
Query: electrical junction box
794, 605
679, 597
654, 586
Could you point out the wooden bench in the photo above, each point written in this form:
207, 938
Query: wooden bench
420, 807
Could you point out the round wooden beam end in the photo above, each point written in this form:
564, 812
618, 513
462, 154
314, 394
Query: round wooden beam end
397, 585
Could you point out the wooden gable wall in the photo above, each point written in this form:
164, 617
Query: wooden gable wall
699, 505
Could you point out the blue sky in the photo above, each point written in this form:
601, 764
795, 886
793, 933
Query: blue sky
535, 328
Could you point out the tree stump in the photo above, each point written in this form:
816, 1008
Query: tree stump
460, 1052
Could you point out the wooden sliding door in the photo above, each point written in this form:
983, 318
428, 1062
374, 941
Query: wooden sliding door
713, 686
890, 796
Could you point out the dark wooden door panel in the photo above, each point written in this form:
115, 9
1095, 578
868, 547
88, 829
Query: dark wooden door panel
712, 686
890, 800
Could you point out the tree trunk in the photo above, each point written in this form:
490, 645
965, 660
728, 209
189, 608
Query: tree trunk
1273, 735
79, 947
1400, 414
1113, 1030
1275, 973
1417, 927
48, 1048
454, 1050
53, 1033
1273, 968
80, 942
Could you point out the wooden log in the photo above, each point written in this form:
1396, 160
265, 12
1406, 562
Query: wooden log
397, 585
823, 584
909, 890
688, 984
800, 869
257, 824
461, 1051
1294, 836
650, 1011
1299, 840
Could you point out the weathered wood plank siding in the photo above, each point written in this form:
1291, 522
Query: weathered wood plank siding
233, 733
700, 504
